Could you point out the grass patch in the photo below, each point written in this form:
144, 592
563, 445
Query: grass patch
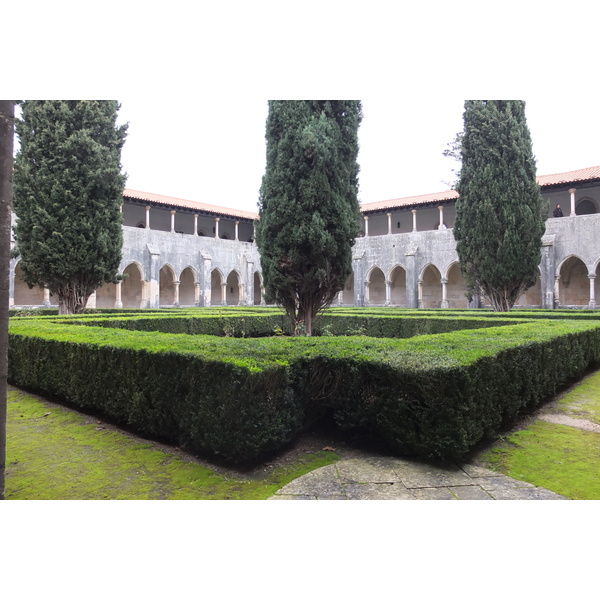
583, 401
558, 458
54, 453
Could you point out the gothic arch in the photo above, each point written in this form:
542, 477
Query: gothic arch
167, 285
573, 282
456, 287
132, 286
216, 288
430, 282
397, 279
187, 287
375, 286
586, 206
233, 294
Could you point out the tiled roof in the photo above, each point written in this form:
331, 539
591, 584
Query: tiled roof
570, 176
410, 201
588, 174
190, 204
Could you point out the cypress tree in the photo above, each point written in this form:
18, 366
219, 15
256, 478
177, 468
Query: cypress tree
308, 207
500, 214
68, 196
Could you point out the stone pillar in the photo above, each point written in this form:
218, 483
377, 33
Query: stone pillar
217, 219
414, 213
249, 299
195, 224
572, 192
46, 297
444, 293
412, 296
118, 301
145, 303
237, 223
366, 226
205, 279
91, 302
176, 294
147, 217
240, 294
357, 269
154, 277
557, 291
224, 293
388, 292
389, 216
420, 293
366, 303
592, 303
441, 225
173, 221
196, 294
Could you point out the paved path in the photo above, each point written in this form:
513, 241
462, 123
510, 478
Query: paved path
387, 478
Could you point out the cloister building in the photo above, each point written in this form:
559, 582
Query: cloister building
186, 253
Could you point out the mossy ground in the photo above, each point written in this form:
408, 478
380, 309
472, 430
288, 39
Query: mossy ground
57, 454
563, 459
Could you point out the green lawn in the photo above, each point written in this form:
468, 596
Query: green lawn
56, 454
563, 459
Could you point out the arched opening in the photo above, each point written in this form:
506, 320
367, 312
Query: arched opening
431, 287
232, 291
398, 287
187, 287
216, 294
106, 295
456, 288
258, 293
532, 296
25, 296
348, 291
132, 287
573, 285
376, 287
166, 286
585, 206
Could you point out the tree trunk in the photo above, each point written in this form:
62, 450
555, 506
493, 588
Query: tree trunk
7, 123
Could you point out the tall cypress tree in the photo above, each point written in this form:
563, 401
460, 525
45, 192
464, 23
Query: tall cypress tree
500, 214
308, 206
67, 197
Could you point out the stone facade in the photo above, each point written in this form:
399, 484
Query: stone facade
184, 253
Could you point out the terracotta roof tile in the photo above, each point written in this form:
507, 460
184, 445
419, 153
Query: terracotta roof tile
191, 204
570, 177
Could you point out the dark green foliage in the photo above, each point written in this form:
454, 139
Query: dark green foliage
308, 206
68, 194
500, 213
434, 396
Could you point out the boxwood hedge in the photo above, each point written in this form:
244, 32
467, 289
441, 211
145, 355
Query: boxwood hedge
433, 395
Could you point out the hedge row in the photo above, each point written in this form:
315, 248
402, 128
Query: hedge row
434, 396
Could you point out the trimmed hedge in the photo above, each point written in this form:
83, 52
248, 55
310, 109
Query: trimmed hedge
434, 396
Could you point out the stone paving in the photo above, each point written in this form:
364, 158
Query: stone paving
387, 478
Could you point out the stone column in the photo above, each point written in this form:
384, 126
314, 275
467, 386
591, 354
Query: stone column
46, 297
237, 223
388, 292
444, 293
441, 209
557, 291
145, 293
217, 219
153, 286
173, 221
572, 192
195, 224
366, 226
366, 294
176, 294
197, 294
118, 302
412, 296
147, 217
414, 213
420, 293
240, 294
389, 216
224, 293
592, 303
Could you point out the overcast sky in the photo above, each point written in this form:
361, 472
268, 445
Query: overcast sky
219, 158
